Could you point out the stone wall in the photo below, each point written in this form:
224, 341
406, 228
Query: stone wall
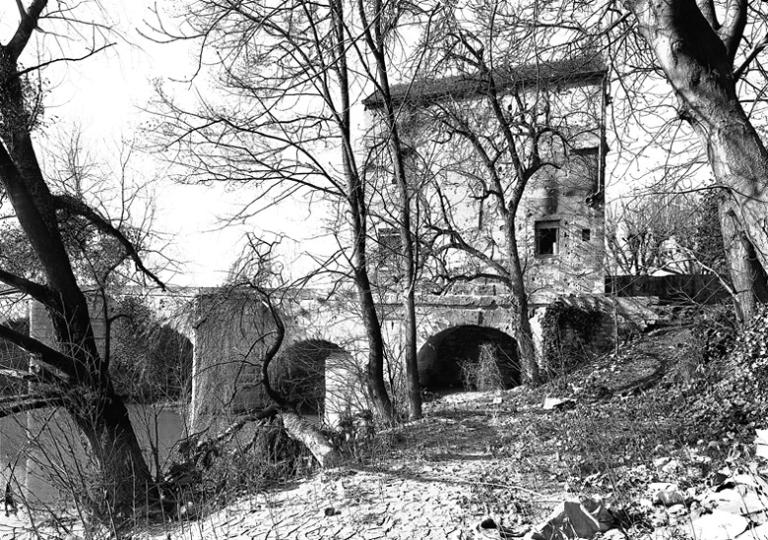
612, 319
231, 330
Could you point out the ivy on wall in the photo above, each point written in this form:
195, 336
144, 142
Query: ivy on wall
568, 335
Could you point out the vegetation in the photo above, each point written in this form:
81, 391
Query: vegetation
149, 361
277, 108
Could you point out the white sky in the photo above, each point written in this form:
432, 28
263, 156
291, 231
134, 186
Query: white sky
104, 97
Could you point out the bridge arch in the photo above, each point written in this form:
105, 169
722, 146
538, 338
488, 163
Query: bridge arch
448, 358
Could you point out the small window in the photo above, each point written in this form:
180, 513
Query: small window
547, 238
586, 235
388, 255
389, 243
587, 151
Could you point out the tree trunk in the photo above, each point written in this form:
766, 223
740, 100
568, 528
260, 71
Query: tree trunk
529, 367
355, 195
748, 277
88, 394
375, 368
374, 36
698, 62
408, 263
125, 477
303, 431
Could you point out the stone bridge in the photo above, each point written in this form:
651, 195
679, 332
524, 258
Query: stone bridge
233, 329
230, 331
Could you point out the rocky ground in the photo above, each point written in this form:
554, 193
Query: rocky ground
598, 454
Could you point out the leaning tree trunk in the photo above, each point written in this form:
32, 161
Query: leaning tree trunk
86, 389
125, 477
697, 54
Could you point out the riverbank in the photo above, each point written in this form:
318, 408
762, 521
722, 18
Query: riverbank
612, 431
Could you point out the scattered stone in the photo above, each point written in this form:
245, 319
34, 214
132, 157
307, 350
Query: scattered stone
761, 443
331, 511
573, 519
665, 493
718, 525
672, 466
558, 404
498, 400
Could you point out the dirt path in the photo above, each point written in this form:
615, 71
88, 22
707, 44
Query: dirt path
474, 455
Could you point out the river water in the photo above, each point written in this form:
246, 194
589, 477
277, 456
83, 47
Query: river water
42, 450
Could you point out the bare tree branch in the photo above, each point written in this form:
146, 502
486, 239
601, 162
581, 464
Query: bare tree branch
757, 49
78, 207
50, 356
35, 290
63, 59
26, 26
732, 30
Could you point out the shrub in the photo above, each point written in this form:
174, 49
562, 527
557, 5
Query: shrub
567, 331
149, 361
484, 374
211, 474
731, 395
715, 330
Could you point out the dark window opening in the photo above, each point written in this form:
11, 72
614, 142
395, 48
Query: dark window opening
389, 251
389, 242
587, 151
586, 235
547, 238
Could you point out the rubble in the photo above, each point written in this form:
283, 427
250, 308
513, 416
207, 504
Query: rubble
575, 519
558, 404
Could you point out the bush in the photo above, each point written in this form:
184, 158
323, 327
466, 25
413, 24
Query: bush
731, 395
567, 331
149, 361
484, 374
714, 331
210, 474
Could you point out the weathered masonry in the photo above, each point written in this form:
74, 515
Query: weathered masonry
559, 227
457, 158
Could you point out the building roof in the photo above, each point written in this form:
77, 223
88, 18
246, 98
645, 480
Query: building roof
582, 70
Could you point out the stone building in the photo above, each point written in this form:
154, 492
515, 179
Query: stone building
455, 147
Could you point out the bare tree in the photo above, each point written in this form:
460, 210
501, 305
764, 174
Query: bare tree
74, 375
298, 72
377, 19
483, 134
645, 234
709, 54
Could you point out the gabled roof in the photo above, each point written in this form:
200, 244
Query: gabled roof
582, 70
